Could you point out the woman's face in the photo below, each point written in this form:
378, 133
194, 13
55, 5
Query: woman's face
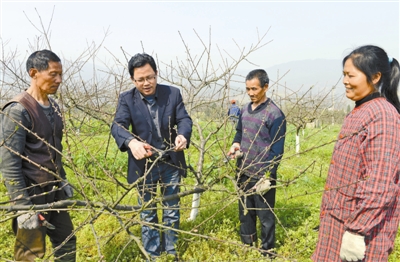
355, 82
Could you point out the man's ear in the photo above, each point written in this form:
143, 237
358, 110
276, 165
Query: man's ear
266, 86
376, 78
33, 72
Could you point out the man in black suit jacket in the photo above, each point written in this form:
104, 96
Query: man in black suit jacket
159, 123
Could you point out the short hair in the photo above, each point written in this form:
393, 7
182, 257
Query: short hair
140, 60
371, 60
260, 74
40, 60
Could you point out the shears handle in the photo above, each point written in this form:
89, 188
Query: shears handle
44, 222
150, 151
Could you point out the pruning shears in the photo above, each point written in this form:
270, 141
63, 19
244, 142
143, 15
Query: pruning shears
238, 154
151, 152
45, 223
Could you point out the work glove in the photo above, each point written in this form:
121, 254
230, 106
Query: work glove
263, 185
235, 152
353, 247
68, 190
28, 220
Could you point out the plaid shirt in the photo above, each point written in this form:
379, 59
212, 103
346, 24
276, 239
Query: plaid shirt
362, 189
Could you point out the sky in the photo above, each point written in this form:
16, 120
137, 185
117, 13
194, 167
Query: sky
295, 30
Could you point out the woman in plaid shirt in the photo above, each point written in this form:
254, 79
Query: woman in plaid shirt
360, 208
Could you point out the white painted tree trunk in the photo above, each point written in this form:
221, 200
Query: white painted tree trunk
195, 206
297, 144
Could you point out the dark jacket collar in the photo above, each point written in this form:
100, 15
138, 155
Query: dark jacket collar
368, 98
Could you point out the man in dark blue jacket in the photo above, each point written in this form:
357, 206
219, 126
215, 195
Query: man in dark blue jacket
234, 112
158, 123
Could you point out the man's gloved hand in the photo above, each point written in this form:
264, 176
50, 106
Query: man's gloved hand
28, 220
68, 190
234, 151
353, 247
263, 185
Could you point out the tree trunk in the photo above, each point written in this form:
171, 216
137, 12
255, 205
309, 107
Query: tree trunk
298, 142
195, 206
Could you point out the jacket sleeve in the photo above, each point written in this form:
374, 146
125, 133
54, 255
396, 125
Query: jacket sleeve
277, 133
238, 135
13, 135
122, 121
183, 120
378, 190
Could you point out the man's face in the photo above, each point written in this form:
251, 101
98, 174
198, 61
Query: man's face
48, 81
145, 79
255, 91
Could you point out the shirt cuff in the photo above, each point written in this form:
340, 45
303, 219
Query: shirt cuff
128, 140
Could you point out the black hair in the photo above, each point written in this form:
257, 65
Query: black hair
140, 60
371, 60
40, 60
260, 74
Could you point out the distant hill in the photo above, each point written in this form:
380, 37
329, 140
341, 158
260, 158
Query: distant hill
320, 73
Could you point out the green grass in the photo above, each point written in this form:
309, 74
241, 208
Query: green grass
213, 236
